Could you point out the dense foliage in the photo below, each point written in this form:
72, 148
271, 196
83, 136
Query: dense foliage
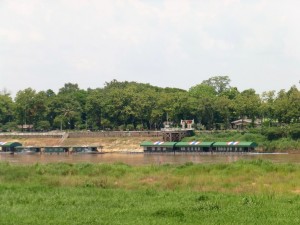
213, 104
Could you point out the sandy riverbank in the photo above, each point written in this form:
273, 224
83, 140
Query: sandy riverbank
110, 144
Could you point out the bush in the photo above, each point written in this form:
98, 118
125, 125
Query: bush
129, 127
295, 134
43, 125
253, 137
294, 131
274, 133
140, 127
122, 127
254, 130
10, 126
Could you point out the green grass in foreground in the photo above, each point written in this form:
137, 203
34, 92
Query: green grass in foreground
255, 192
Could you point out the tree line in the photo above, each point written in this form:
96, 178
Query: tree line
213, 104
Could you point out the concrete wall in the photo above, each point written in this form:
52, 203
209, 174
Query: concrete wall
83, 134
116, 134
31, 135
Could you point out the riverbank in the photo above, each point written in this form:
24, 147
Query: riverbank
110, 144
132, 143
252, 192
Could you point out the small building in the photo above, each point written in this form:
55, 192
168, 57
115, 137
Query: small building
242, 123
158, 146
9, 146
25, 127
187, 124
234, 146
194, 146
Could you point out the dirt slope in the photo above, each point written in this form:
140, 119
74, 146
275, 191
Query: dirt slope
110, 144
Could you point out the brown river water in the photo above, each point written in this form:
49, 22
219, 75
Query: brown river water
148, 158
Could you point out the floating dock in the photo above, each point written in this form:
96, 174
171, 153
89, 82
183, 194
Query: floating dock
198, 146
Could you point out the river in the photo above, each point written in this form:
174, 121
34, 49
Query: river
147, 159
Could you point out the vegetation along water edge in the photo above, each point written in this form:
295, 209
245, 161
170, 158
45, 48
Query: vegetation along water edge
281, 141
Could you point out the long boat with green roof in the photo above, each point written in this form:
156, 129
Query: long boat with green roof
198, 146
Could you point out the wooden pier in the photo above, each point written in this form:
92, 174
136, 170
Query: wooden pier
173, 135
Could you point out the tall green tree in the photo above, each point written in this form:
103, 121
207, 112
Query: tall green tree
68, 112
205, 97
71, 100
51, 112
287, 106
267, 106
247, 104
225, 108
94, 108
219, 83
6, 108
294, 106
25, 106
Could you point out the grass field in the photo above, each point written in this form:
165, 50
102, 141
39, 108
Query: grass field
252, 192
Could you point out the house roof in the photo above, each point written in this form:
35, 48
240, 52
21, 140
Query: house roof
26, 126
246, 121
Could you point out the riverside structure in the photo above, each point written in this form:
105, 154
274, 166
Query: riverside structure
197, 146
17, 148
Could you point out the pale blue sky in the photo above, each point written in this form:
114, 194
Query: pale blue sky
176, 43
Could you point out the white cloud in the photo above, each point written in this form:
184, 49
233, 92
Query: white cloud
84, 64
10, 35
22, 8
170, 42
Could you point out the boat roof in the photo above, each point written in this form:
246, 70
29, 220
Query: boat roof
194, 143
235, 143
157, 144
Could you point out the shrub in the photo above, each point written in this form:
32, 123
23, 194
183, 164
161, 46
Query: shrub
10, 126
122, 127
43, 125
295, 133
140, 127
274, 133
130, 127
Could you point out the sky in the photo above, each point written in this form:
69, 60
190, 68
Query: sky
167, 43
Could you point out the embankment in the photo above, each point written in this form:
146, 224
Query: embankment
129, 141
111, 141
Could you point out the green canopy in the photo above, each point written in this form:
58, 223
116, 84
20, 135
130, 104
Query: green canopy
27, 147
194, 144
10, 144
235, 144
157, 144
